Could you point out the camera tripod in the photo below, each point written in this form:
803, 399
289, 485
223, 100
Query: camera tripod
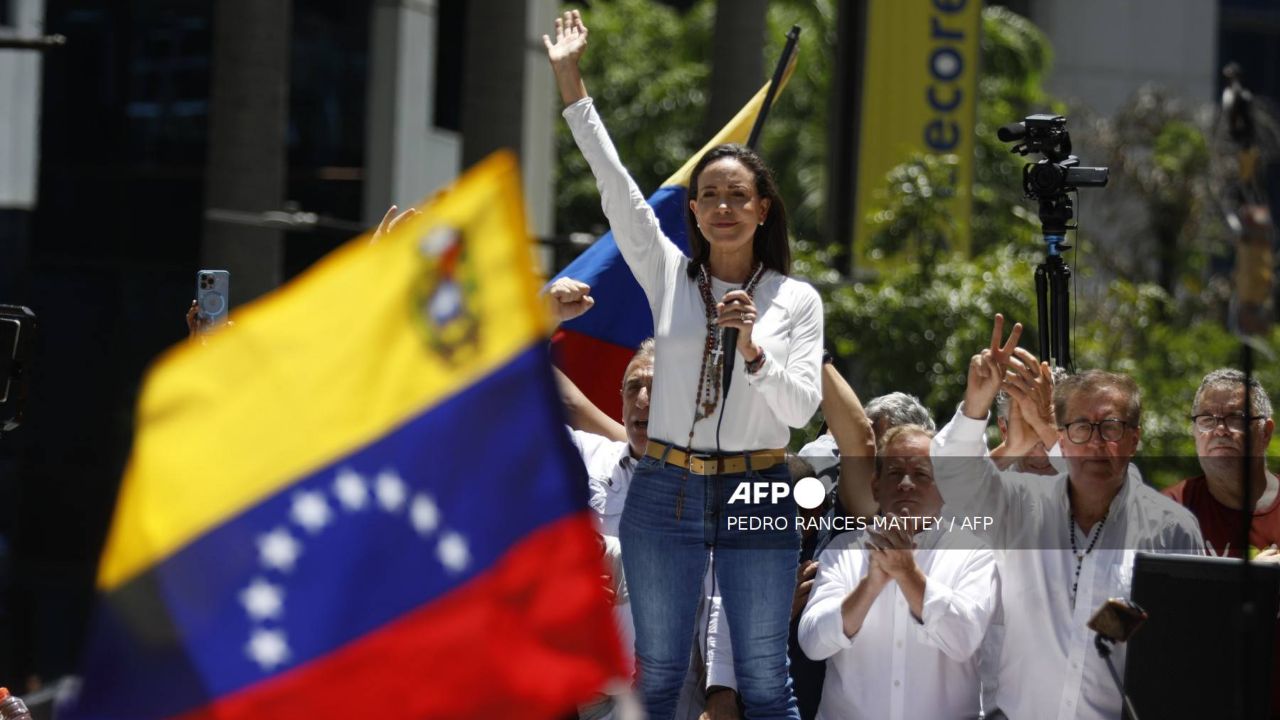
1053, 282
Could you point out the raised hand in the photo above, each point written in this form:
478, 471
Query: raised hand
565, 52
1019, 439
568, 298
390, 221
1030, 386
986, 370
196, 324
570, 41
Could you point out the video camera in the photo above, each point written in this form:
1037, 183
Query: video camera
1059, 172
1048, 182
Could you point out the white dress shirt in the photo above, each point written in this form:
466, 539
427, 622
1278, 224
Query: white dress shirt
609, 468
1048, 665
787, 389
896, 667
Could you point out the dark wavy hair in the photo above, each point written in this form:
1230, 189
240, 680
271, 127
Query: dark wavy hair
771, 246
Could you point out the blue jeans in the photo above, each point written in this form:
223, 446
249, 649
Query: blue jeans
665, 559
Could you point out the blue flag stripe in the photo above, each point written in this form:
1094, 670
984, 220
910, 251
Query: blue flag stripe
447, 494
621, 313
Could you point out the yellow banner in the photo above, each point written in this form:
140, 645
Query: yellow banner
918, 97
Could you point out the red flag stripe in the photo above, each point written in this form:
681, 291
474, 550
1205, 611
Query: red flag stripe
537, 626
595, 366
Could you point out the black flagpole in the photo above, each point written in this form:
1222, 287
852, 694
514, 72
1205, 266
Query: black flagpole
787, 51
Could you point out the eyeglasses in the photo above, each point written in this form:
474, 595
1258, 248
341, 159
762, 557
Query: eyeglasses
1235, 422
1081, 431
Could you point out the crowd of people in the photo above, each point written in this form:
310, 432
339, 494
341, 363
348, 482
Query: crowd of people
890, 612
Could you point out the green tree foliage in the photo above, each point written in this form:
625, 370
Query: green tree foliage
915, 333
1158, 220
913, 218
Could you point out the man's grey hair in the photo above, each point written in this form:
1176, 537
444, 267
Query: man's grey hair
899, 408
643, 356
1232, 379
1004, 400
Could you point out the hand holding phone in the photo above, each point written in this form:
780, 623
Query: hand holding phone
213, 298
213, 288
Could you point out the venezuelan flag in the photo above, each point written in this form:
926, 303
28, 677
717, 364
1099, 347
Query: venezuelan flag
360, 501
593, 349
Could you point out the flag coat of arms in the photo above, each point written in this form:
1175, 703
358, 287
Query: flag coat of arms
593, 349
360, 500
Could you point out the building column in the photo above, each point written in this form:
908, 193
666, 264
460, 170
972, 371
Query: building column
737, 59
248, 117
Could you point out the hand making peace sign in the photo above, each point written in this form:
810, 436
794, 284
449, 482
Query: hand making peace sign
986, 370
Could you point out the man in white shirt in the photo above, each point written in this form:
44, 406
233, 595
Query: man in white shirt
899, 611
1064, 544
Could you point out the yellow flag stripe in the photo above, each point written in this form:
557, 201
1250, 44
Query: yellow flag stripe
320, 368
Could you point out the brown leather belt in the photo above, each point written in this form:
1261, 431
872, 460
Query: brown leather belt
710, 464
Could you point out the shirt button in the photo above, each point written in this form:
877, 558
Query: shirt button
899, 644
1075, 665
897, 683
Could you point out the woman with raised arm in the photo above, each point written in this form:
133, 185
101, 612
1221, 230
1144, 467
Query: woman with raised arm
707, 451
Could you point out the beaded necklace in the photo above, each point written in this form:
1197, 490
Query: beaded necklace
707, 398
1093, 540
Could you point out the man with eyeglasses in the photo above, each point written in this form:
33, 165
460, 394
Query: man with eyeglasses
1219, 424
1064, 544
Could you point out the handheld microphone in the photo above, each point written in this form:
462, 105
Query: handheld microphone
729, 344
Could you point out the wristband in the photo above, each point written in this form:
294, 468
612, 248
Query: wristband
753, 366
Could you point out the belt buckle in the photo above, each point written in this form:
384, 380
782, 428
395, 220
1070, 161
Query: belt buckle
706, 460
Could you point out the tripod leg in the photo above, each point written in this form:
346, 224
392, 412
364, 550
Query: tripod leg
1042, 309
1060, 283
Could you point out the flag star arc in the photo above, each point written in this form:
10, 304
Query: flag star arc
278, 550
452, 552
262, 600
351, 490
424, 514
311, 511
268, 648
390, 490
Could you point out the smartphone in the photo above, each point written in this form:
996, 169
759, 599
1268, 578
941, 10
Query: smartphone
213, 296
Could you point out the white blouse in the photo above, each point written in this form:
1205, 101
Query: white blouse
760, 407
